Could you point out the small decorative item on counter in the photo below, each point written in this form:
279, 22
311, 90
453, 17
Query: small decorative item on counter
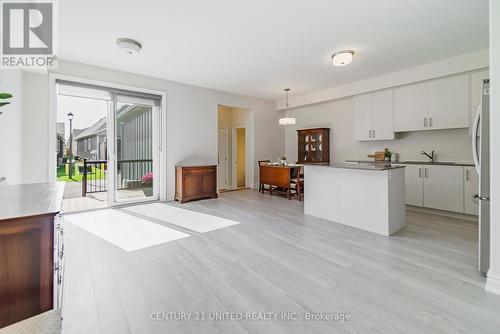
147, 184
283, 160
387, 154
394, 157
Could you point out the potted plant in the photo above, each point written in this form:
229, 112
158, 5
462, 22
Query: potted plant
4, 96
147, 184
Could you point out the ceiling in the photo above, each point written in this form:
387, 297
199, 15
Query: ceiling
259, 47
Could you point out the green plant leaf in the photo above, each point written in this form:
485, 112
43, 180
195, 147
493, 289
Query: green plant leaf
5, 96
4, 103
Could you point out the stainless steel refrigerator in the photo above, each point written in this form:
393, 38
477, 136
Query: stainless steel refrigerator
481, 154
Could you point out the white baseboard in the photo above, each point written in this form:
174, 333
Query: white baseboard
492, 284
443, 213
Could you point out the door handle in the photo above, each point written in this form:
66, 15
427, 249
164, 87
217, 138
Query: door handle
420, 172
430, 122
425, 172
373, 132
466, 175
425, 122
480, 198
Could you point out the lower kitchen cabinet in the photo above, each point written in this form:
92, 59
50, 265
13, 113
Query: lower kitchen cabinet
444, 188
414, 188
448, 188
471, 187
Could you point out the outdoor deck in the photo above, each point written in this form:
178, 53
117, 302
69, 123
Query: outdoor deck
74, 202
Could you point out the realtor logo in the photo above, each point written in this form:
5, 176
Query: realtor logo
28, 34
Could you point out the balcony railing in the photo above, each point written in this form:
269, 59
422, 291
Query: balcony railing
129, 174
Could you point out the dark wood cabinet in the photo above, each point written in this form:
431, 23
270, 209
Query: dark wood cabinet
30, 250
193, 182
314, 146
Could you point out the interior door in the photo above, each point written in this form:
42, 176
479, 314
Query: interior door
223, 159
134, 149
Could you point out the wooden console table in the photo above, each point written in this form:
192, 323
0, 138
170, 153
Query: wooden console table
193, 182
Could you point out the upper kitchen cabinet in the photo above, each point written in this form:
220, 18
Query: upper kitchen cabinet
476, 81
449, 102
363, 117
436, 104
411, 107
374, 116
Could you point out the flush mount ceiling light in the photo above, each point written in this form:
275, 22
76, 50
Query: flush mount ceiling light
129, 46
287, 120
342, 58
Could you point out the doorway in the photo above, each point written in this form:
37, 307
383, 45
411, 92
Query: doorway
223, 144
109, 152
234, 148
239, 158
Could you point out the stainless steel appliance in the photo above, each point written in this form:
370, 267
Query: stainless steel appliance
481, 154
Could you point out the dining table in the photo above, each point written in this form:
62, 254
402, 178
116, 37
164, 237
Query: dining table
278, 178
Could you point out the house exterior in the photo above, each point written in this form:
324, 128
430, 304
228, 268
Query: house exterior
91, 142
134, 142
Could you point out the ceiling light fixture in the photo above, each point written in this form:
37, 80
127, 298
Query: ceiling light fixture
129, 46
342, 58
287, 120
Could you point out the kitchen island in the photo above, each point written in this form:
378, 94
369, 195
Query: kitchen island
368, 197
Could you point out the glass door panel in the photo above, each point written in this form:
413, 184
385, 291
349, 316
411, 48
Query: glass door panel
135, 144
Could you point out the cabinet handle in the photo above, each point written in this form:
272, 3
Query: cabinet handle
369, 133
466, 175
425, 172
430, 122
425, 122
420, 172
373, 133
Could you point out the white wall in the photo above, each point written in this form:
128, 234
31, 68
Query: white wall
338, 115
191, 118
493, 281
11, 125
35, 127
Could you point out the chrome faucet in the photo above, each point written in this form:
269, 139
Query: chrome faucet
430, 156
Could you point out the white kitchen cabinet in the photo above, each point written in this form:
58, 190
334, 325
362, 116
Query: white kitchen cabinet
471, 187
374, 116
363, 117
444, 188
449, 102
432, 105
411, 107
476, 80
383, 115
414, 185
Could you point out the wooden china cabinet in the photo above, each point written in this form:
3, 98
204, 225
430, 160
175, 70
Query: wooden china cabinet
314, 146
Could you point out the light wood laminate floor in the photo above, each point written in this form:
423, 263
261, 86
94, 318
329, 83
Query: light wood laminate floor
422, 280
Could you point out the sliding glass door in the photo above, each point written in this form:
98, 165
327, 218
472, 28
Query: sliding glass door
134, 151
116, 155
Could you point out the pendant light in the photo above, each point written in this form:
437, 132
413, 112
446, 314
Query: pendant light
287, 120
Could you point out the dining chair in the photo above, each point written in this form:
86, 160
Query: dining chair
297, 181
261, 185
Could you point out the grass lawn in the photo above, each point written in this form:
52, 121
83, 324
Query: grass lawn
63, 172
